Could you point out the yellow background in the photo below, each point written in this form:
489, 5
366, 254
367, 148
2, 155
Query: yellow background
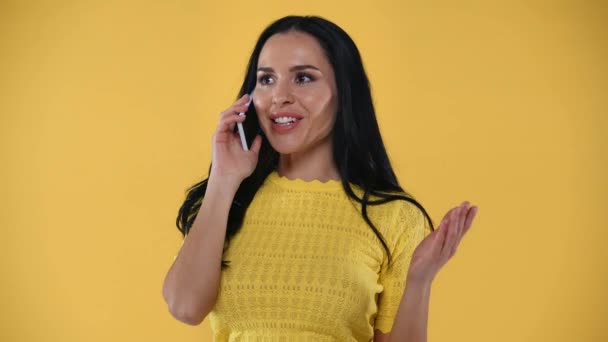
108, 108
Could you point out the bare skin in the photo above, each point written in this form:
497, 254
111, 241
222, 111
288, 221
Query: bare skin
284, 85
305, 153
429, 257
191, 285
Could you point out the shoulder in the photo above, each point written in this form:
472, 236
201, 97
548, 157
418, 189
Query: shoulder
402, 210
405, 222
408, 213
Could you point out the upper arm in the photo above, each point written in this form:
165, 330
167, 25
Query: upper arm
408, 232
380, 337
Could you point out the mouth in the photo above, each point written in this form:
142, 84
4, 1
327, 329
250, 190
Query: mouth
285, 122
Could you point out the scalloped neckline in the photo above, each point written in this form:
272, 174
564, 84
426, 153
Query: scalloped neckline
300, 184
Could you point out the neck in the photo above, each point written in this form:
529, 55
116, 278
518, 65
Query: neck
315, 163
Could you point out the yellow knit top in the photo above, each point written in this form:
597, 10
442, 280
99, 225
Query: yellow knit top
305, 266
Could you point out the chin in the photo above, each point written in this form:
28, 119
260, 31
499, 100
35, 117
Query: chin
284, 148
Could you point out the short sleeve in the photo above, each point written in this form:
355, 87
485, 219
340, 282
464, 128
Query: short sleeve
410, 227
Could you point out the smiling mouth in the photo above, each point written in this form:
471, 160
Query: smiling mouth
284, 126
285, 121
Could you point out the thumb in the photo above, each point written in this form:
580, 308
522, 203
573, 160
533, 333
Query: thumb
257, 143
440, 233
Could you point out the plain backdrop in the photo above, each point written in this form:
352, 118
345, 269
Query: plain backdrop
107, 109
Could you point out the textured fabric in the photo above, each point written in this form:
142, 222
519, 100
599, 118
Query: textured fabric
305, 266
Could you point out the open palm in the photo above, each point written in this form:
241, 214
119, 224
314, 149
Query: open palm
439, 246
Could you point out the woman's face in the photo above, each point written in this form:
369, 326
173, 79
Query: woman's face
296, 82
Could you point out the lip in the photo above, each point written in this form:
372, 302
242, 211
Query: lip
287, 114
280, 129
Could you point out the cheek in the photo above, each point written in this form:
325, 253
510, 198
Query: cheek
318, 101
258, 105
260, 109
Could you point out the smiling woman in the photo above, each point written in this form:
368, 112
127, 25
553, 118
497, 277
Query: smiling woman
315, 237
283, 118
296, 94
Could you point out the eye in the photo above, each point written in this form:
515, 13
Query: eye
301, 76
262, 79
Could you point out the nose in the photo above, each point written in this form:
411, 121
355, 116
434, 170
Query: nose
281, 94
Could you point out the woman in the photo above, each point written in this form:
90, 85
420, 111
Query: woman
307, 235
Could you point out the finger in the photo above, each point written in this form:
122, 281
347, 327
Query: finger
227, 124
257, 142
460, 222
239, 106
469, 220
438, 231
443, 229
454, 248
439, 238
462, 212
235, 109
242, 101
463, 215
451, 234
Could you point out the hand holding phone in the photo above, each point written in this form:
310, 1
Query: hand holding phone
240, 126
231, 161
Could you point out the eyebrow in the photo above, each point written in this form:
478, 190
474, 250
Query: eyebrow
293, 68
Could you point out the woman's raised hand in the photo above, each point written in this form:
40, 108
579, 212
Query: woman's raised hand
229, 160
439, 246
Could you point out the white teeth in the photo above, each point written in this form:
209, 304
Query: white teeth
284, 119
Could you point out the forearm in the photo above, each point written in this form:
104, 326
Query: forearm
192, 282
412, 316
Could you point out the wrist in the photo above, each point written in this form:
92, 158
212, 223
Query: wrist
419, 283
224, 186
225, 181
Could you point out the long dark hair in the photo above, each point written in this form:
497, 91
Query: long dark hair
358, 150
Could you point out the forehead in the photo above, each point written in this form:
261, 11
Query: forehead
291, 48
